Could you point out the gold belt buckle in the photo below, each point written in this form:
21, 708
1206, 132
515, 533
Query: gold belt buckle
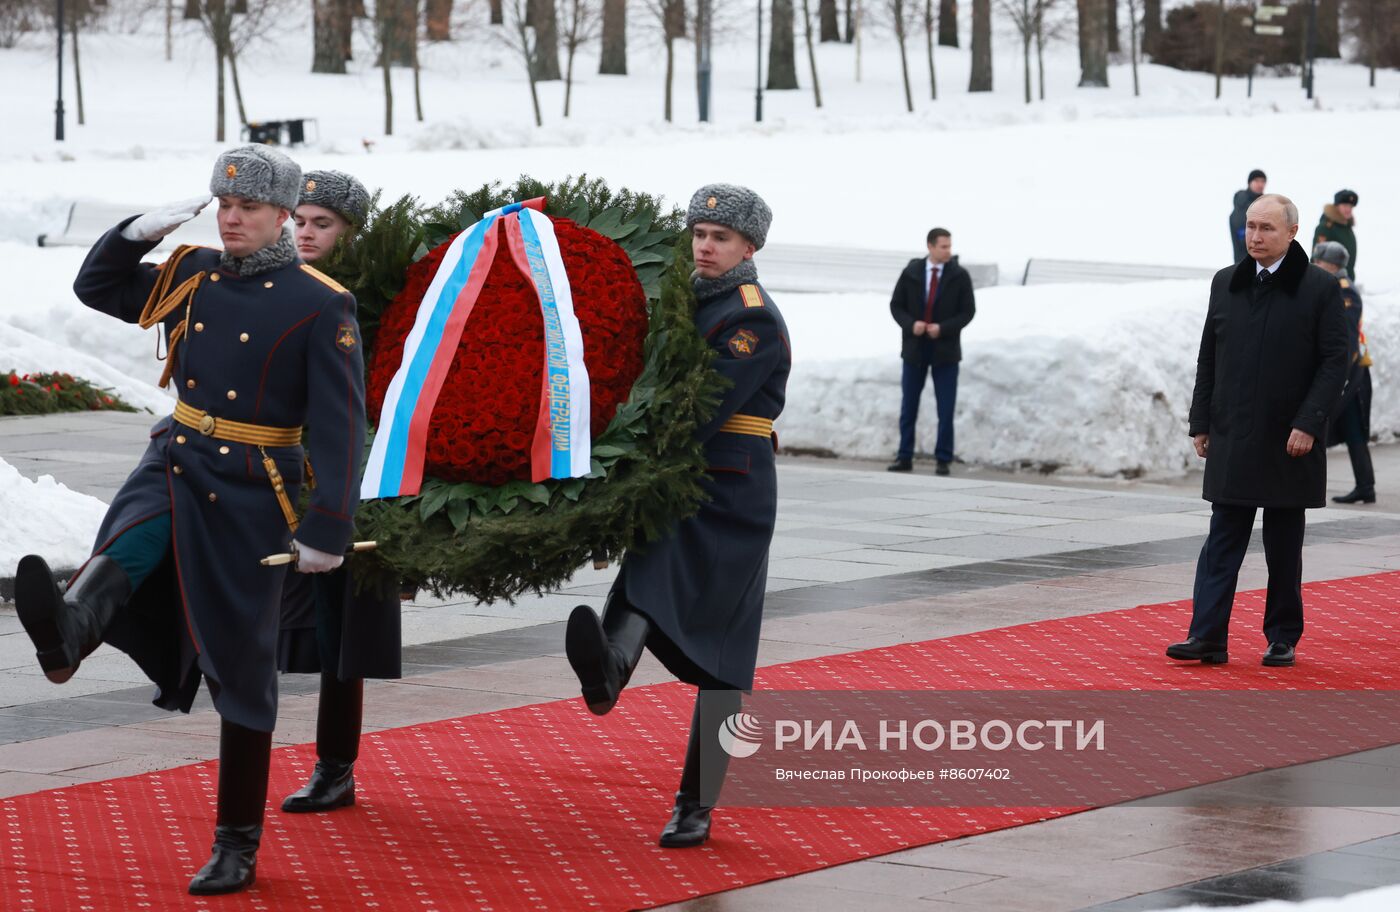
206, 425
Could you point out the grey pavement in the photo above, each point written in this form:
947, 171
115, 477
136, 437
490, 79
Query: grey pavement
861, 558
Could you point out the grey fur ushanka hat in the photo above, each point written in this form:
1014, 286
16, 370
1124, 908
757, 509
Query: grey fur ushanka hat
338, 192
734, 207
257, 172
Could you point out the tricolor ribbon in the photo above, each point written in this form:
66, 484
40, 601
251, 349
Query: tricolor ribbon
561, 444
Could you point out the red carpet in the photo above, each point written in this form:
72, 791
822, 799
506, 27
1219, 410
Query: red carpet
546, 807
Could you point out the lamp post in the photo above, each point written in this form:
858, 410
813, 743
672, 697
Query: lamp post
758, 79
58, 108
703, 73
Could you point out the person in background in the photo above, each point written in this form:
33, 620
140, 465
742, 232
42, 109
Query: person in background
1270, 370
932, 303
1351, 424
1243, 200
330, 626
1338, 223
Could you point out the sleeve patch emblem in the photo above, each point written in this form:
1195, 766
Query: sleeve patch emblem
743, 343
345, 337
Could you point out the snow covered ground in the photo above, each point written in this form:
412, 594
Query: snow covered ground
53, 521
1089, 378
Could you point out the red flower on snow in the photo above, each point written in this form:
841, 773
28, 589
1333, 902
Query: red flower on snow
484, 420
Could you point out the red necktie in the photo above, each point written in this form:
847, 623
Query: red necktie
932, 293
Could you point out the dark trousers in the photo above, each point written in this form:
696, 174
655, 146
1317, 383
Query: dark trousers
1354, 434
1218, 571
945, 395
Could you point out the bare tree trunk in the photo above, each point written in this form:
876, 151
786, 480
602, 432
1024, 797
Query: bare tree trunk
417, 85
1026, 33
948, 23
1219, 46
1093, 44
1151, 25
77, 68
981, 80
676, 18
1133, 43
191, 9
546, 40
169, 28
439, 16
219, 93
1040, 50
498, 13
1371, 26
1111, 25
1329, 31
811, 53
570, 47
782, 50
900, 27
850, 21
386, 30
613, 61
403, 38
330, 20
670, 71
237, 87
928, 33
831, 26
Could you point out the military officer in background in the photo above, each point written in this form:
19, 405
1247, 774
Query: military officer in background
258, 345
330, 626
1351, 424
695, 597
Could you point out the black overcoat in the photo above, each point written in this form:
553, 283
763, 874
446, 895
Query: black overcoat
1273, 357
1239, 217
953, 308
702, 585
1358, 385
278, 349
331, 625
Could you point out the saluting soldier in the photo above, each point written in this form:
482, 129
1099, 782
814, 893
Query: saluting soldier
329, 626
258, 345
695, 597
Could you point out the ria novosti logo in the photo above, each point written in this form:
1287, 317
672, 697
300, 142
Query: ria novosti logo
740, 735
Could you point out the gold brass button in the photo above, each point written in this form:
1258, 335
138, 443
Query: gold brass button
213, 497
242, 337
233, 394
190, 384
223, 450
207, 425
199, 327
267, 284
214, 277
180, 438
176, 469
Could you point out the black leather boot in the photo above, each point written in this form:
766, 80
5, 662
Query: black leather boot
67, 626
245, 756
233, 866
338, 718
1358, 494
701, 783
604, 654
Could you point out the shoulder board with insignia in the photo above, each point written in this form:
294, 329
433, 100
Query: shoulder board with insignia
751, 295
321, 277
1345, 283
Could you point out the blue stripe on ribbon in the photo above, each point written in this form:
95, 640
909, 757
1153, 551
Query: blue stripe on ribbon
556, 357
396, 453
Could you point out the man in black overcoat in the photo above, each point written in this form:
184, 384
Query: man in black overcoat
932, 303
1272, 362
259, 345
695, 597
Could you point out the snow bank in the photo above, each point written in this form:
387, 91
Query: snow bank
44, 517
1087, 378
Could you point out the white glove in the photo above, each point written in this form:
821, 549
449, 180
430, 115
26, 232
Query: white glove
157, 223
309, 560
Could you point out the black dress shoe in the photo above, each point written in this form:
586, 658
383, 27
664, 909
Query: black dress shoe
689, 825
941, 469
332, 785
1280, 655
234, 864
900, 465
1357, 495
1194, 650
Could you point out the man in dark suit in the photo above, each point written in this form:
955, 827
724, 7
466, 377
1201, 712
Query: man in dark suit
932, 302
1272, 361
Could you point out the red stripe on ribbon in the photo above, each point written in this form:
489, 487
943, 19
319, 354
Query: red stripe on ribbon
542, 446
417, 444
